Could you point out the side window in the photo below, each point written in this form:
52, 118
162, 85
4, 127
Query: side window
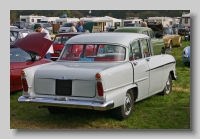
145, 47
135, 51
146, 33
151, 34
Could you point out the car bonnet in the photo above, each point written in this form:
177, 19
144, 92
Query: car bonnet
35, 42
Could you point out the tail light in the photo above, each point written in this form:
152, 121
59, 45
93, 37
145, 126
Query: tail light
25, 85
184, 52
100, 89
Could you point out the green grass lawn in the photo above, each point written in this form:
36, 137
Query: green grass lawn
157, 112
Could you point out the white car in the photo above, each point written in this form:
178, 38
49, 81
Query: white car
14, 27
65, 28
100, 71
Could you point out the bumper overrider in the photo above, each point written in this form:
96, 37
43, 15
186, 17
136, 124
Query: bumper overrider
63, 102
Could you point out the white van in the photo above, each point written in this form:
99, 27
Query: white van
61, 21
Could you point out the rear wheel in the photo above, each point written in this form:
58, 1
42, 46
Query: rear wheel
124, 111
169, 49
180, 43
168, 86
56, 110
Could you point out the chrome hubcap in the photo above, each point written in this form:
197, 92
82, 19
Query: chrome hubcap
127, 104
168, 86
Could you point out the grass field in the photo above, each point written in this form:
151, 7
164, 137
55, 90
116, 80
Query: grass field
157, 112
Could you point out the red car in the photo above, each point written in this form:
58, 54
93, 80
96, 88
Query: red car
24, 53
59, 42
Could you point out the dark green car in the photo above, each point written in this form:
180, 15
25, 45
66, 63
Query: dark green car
157, 43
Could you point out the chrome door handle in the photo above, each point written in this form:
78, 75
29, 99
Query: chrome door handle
147, 59
135, 63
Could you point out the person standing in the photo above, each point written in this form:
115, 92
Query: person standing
73, 28
79, 27
38, 28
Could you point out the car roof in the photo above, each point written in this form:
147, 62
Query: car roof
106, 37
21, 30
133, 29
71, 33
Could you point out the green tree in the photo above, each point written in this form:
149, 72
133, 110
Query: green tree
60, 12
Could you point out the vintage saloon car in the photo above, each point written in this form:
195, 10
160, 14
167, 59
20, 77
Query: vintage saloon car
114, 71
157, 43
170, 38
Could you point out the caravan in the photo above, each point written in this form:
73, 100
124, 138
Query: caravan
166, 21
31, 18
185, 20
100, 24
132, 21
61, 21
51, 20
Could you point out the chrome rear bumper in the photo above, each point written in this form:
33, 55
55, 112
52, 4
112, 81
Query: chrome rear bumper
69, 103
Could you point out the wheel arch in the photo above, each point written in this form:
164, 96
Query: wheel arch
135, 93
173, 75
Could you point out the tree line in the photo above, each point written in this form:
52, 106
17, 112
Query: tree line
121, 14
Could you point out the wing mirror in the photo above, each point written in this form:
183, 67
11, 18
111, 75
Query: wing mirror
36, 58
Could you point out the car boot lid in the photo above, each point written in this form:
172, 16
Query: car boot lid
34, 42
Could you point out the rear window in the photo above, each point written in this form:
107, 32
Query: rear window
61, 39
93, 52
67, 25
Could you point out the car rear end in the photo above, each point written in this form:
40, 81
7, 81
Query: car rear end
65, 28
92, 80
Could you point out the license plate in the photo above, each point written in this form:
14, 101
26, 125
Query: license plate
57, 52
63, 87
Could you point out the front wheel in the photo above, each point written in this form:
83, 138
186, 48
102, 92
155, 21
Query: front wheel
168, 86
124, 111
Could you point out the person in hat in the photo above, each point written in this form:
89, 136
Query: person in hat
39, 28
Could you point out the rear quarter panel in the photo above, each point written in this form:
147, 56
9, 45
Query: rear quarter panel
169, 63
117, 81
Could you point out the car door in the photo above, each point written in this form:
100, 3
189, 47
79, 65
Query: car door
155, 67
140, 69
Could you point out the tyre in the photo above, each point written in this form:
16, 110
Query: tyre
168, 86
169, 49
56, 110
180, 43
124, 111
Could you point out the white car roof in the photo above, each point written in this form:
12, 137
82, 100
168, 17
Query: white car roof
102, 38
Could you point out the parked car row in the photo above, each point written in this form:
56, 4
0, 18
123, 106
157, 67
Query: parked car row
16, 34
170, 38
